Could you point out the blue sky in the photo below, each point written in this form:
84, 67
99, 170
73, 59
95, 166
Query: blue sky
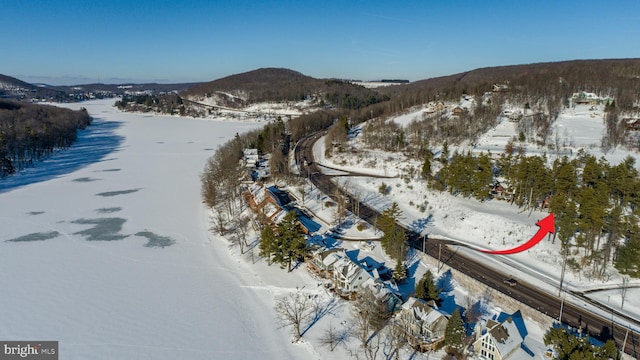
63, 41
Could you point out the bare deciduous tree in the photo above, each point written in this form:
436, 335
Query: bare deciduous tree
294, 309
623, 290
394, 341
472, 312
333, 337
369, 315
219, 222
240, 228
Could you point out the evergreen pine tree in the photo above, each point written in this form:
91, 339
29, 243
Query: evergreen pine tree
290, 243
444, 156
426, 288
483, 177
426, 166
454, 334
570, 346
628, 255
267, 243
399, 272
394, 239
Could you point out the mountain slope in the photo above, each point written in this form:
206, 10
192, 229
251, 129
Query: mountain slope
266, 84
275, 84
619, 78
11, 87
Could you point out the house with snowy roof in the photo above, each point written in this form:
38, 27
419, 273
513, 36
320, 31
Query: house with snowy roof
458, 111
348, 276
351, 274
502, 190
251, 158
502, 339
269, 202
264, 203
422, 325
323, 261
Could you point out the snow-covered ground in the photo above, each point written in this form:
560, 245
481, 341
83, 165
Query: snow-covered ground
491, 224
105, 247
264, 110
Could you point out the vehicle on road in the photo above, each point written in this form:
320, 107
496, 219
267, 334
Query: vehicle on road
510, 282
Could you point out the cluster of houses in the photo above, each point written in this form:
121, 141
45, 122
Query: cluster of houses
421, 323
256, 167
346, 272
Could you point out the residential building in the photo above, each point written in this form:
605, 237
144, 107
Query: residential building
323, 261
351, 274
423, 325
501, 340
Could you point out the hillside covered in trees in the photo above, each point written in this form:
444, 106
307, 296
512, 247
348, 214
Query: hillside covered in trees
273, 85
595, 203
12, 88
30, 132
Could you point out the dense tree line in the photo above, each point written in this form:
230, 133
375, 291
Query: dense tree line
381, 133
285, 245
164, 104
557, 80
571, 346
345, 95
30, 132
221, 179
596, 205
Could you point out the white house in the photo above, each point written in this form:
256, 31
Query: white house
323, 261
500, 341
348, 276
251, 158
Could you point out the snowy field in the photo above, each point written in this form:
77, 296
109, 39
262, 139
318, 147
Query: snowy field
105, 247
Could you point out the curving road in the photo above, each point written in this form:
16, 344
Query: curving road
572, 314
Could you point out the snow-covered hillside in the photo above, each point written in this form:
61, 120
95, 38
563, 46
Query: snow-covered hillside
491, 224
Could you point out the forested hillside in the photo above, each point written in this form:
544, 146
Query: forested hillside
13, 88
30, 132
595, 202
274, 85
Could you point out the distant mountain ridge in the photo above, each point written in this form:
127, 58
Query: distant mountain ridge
13, 88
280, 84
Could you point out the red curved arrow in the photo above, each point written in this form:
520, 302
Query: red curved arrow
546, 226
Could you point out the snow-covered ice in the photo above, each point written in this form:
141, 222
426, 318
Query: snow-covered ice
112, 255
